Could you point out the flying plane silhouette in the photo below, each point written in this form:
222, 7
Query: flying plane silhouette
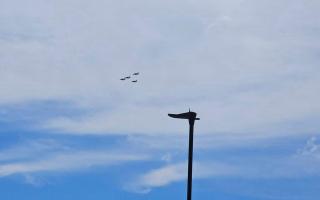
134, 81
128, 77
122, 79
135, 74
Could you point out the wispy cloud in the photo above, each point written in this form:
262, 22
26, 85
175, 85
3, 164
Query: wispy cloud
312, 147
305, 163
29, 149
44, 156
177, 172
69, 162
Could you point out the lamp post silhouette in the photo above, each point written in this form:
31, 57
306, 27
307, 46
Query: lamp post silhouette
191, 116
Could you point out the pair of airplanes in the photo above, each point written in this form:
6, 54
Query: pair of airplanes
128, 77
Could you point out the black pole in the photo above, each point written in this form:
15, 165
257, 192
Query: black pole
191, 116
190, 159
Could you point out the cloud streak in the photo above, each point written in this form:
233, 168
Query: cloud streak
177, 172
69, 162
305, 163
43, 156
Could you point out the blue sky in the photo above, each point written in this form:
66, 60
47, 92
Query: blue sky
69, 129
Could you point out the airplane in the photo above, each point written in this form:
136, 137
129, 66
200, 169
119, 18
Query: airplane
127, 77
122, 79
134, 81
135, 74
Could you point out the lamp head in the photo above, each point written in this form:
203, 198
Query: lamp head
188, 115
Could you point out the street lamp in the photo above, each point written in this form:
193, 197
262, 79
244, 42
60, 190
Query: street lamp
191, 116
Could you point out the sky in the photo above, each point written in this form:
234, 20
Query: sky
70, 129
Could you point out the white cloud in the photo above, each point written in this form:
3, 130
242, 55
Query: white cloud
34, 181
312, 148
68, 162
177, 172
31, 148
247, 74
164, 176
305, 163
50, 156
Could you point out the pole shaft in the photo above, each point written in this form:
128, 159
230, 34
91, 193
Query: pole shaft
190, 159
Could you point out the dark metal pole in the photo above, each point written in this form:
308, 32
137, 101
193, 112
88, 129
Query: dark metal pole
190, 159
191, 116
